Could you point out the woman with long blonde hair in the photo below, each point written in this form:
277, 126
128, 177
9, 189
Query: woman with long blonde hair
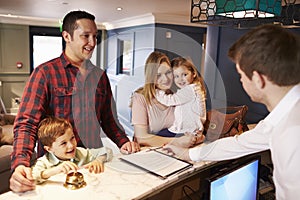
189, 99
148, 115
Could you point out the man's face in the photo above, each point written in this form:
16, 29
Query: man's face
83, 42
249, 86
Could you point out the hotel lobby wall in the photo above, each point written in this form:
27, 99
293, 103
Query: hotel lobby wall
11, 90
174, 40
142, 39
219, 40
181, 41
14, 49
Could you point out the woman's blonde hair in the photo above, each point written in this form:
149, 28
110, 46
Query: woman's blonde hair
51, 128
154, 60
188, 64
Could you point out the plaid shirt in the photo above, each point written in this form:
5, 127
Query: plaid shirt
57, 88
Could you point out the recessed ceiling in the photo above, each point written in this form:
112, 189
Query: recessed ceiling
104, 10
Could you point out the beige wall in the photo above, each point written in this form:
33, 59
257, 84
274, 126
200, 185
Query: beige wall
14, 48
11, 88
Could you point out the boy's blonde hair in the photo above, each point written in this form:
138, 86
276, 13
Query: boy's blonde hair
51, 128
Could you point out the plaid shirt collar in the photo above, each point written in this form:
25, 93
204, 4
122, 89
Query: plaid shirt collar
64, 59
66, 63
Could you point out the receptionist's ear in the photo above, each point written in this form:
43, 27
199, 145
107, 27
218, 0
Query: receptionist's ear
258, 79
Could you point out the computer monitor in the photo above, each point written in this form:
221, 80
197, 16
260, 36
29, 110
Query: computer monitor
238, 182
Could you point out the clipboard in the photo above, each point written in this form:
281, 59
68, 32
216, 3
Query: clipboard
157, 163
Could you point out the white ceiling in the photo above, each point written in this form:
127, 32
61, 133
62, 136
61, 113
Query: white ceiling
104, 10
49, 12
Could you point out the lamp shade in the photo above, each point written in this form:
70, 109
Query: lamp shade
248, 8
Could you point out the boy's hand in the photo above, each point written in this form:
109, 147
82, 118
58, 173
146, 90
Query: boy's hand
67, 166
63, 167
96, 166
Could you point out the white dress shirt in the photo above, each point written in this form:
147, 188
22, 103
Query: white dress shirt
279, 132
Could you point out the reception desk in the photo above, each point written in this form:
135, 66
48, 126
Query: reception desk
123, 181
119, 181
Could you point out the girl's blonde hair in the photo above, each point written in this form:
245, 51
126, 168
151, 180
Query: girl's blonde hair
51, 128
188, 64
154, 60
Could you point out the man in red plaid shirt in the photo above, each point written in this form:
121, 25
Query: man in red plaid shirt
69, 87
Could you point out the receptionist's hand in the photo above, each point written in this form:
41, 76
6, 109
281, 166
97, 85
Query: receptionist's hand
199, 137
180, 152
130, 147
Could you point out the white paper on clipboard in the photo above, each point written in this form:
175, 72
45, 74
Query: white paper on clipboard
157, 163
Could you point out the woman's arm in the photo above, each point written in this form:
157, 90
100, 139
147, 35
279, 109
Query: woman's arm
141, 127
144, 138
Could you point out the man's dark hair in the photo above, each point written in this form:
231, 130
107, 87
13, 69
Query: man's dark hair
69, 21
270, 50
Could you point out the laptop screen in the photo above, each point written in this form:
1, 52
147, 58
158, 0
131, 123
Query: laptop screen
238, 183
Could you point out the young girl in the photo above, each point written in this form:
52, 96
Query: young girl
189, 100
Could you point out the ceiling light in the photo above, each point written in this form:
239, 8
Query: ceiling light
248, 8
119, 8
237, 12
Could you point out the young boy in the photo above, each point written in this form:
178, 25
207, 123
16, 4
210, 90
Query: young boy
63, 155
